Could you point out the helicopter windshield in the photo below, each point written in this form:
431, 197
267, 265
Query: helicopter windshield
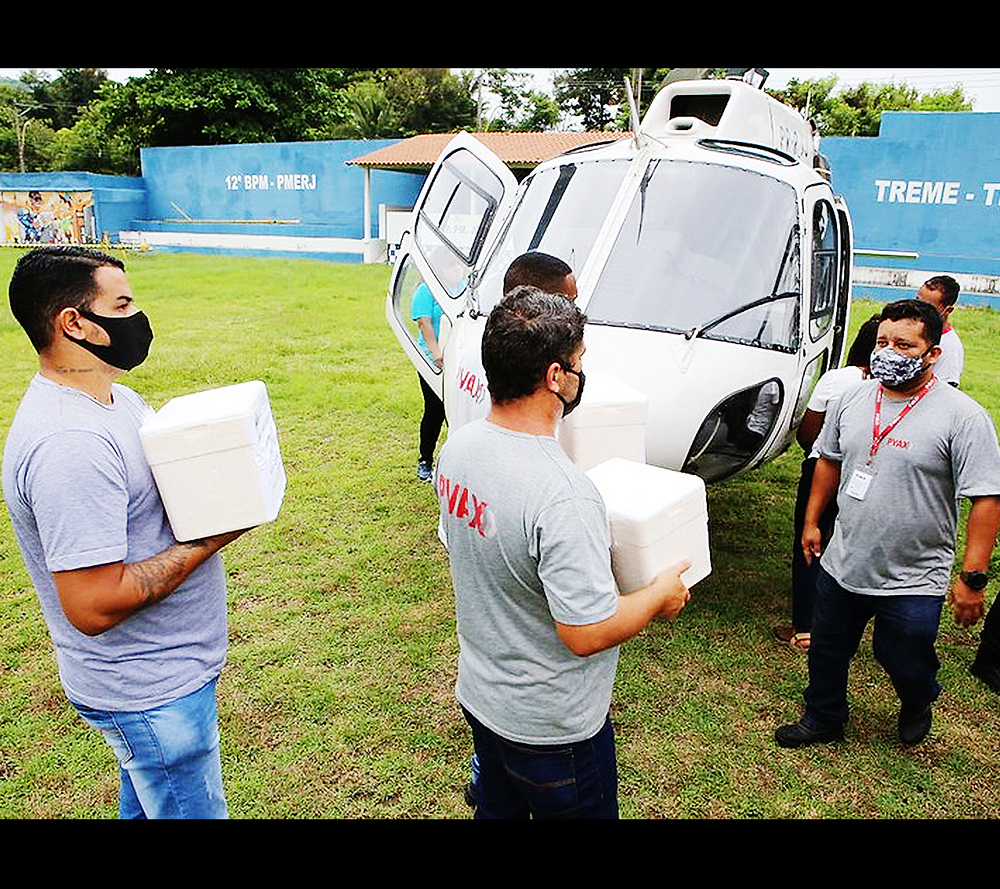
706, 250
560, 212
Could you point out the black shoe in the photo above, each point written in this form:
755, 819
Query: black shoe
989, 676
798, 734
914, 725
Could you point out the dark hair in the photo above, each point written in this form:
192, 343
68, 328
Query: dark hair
861, 349
918, 310
536, 269
49, 279
947, 286
525, 333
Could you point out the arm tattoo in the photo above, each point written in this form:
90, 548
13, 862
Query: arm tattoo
157, 577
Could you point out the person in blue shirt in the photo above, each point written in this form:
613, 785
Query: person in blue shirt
426, 312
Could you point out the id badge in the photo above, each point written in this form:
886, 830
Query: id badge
857, 487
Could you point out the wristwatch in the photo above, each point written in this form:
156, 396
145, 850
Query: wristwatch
975, 580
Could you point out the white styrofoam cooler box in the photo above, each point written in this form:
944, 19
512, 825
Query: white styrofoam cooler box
216, 461
658, 517
610, 421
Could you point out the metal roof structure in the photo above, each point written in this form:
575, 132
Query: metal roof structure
516, 149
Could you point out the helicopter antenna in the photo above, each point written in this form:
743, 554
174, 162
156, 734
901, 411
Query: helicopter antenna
634, 112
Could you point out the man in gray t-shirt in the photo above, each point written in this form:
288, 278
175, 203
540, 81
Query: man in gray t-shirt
942, 291
138, 620
538, 613
898, 452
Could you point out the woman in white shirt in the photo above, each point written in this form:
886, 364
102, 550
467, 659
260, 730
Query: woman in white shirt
830, 387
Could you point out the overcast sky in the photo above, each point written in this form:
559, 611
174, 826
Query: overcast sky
982, 85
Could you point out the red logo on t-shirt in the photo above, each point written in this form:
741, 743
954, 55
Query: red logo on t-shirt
472, 384
463, 504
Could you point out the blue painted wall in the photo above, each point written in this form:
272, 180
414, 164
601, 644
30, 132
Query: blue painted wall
287, 188
928, 183
299, 190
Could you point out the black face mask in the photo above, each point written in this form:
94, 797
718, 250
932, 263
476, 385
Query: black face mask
130, 337
570, 406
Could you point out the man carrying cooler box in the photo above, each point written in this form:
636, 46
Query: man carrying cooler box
539, 613
138, 620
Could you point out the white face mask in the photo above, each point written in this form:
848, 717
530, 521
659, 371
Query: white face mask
895, 369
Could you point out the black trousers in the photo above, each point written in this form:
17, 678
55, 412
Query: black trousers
431, 422
989, 638
804, 575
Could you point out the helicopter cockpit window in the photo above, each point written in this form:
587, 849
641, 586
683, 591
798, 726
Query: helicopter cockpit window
561, 211
706, 251
453, 222
825, 258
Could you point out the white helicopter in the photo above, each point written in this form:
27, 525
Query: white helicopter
711, 255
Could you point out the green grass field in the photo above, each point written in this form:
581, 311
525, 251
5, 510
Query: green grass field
337, 698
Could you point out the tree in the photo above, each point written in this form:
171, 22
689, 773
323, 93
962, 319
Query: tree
60, 102
857, 111
540, 112
505, 101
588, 93
368, 112
24, 140
212, 106
429, 100
399, 102
944, 100
597, 95
92, 144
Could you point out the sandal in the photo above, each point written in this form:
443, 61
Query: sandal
788, 634
800, 641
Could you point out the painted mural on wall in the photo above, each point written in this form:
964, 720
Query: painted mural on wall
47, 217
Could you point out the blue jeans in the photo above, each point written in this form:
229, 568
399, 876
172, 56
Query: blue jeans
168, 757
561, 781
903, 638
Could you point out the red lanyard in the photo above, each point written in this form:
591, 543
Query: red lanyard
879, 434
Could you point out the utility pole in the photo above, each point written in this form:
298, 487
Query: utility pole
21, 120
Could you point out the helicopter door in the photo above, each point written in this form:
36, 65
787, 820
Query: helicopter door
824, 286
468, 188
843, 312
826, 312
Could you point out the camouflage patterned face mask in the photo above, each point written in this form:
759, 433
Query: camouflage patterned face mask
894, 368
